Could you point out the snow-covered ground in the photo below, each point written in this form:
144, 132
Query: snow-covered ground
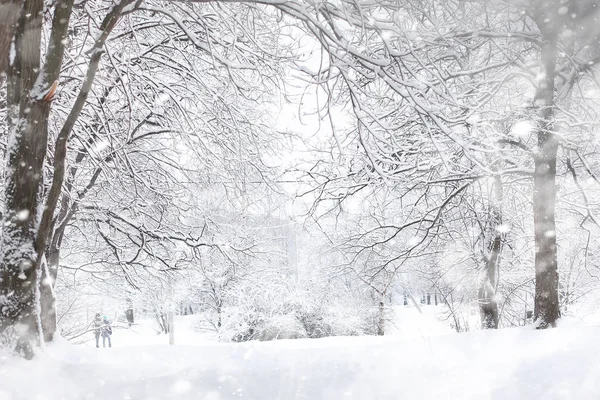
520, 363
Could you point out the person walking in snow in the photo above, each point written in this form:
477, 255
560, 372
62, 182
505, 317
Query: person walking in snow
97, 324
106, 331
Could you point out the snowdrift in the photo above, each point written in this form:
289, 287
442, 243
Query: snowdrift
562, 363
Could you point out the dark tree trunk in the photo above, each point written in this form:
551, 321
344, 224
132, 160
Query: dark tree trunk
27, 119
30, 90
129, 312
219, 317
9, 13
381, 316
546, 306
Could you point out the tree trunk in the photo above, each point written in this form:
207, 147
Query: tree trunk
47, 297
30, 89
488, 306
546, 306
129, 312
9, 13
161, 318
219, 316
381, 316
27, 126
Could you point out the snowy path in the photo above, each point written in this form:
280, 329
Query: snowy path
563, 363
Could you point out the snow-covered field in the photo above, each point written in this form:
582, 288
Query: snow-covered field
520, 363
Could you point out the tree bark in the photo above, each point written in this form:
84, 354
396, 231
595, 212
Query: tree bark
129, 312
47, 297
27, 127
50, 273
30, 90
9, 14
219, 317
488, 305
381, 316
546, 306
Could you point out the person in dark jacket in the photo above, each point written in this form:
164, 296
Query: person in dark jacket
106, 331
97, 324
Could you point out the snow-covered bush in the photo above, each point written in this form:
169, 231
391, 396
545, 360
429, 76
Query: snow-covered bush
315, 323
266, 317
294, 309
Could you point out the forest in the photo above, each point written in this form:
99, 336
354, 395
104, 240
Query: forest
297, 169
